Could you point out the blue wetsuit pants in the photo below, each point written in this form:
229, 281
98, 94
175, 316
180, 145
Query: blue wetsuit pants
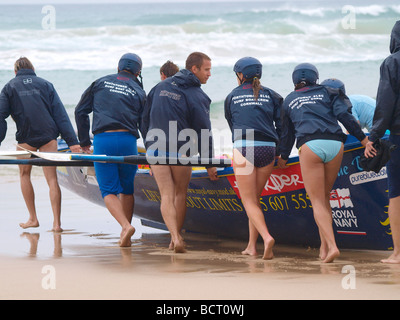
115, 178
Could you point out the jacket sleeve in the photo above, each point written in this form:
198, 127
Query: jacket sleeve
61, 119
145, 121
287, 137
227, 110
200, 114
4, 113
342, 109
278, 102
82, 110
386, 99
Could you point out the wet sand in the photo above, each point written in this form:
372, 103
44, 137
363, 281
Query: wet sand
85, 262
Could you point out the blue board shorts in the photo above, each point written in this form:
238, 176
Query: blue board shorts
326, 150
393, 168
259, 153
115, 178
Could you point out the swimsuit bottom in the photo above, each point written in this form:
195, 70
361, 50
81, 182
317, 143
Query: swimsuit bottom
326, 150
259, 153
393, 168
115, 178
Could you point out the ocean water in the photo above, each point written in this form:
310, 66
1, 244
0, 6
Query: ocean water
71, 45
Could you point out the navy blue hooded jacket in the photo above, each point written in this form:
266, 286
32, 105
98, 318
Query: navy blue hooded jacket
243, 112
117, 102
312, 113
387, 112
37, 110
178, 103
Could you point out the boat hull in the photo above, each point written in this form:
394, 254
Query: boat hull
359, 203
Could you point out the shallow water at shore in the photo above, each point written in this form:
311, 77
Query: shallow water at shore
88, 263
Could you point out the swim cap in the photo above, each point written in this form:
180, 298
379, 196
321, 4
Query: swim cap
249, 67
306, 72
130, 62
334, 83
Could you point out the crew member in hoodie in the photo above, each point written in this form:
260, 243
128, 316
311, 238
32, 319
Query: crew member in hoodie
253, 115
387, 117
117, 103
40, 117
310, 115
177, 110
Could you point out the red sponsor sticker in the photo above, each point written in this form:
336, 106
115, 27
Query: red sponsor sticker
280, 181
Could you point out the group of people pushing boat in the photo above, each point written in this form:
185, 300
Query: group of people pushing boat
264, 127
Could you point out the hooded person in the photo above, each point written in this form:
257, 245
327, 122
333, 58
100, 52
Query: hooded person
387, 117
117, 102
310, 116
176, 122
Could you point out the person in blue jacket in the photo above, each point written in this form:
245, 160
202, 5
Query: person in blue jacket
176, 122
117, 103
387, 117
40, 117
253, 115
310, 115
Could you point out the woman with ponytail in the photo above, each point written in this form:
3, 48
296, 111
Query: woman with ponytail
253, 115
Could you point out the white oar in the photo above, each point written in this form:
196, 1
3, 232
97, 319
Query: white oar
14, 154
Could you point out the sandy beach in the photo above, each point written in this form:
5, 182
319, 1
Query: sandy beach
85, 262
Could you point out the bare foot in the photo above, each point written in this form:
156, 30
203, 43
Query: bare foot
393, 259
29, 224
249, 252
179, 246
126, 234
332, 255
57, 229
268, 254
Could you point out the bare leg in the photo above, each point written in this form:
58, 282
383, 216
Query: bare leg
27, 192
250, 187
114, 205
128, 204
181, 176
169, 181
394, 217
314, 171
50, 174
251, 248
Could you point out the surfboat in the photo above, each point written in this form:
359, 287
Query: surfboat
359, 203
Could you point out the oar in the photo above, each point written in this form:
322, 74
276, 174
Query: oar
134, 159
14, 154
47, 163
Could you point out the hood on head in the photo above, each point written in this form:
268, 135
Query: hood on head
185, 78
395, 38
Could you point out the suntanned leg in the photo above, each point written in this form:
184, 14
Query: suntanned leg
331, 172
394, 217
250, 187
27, 192
114, 205
128, 204
314, 172
251, 248
50, 174
166, 186
181, 176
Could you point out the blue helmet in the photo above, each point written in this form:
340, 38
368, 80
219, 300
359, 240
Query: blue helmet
130, 62
334, 83
306, 72
249, 67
